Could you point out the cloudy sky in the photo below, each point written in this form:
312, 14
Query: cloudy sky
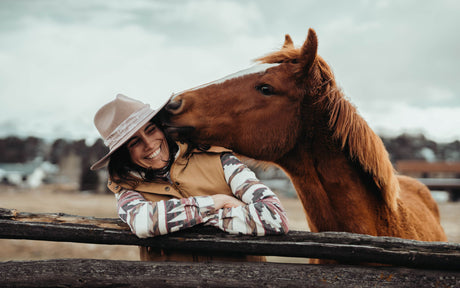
398, 61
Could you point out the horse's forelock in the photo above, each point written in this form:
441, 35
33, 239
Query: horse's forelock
283, 56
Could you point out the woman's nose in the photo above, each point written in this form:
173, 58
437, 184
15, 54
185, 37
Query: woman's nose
148, 141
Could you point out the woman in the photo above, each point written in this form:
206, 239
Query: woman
162, 186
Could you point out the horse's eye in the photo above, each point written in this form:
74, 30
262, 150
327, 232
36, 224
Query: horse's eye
265, 89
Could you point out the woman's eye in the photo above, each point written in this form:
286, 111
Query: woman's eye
133, 143
265, 89
151, 129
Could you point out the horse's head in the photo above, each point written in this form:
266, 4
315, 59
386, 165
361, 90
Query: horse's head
258, 112
290, 102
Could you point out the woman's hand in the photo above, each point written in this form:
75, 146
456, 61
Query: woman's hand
225, 201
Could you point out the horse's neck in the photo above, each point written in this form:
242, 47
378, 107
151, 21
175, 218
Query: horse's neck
332, 190
311, 192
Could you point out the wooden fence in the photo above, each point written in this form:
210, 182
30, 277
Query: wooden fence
450, 185
407, 263
436, 175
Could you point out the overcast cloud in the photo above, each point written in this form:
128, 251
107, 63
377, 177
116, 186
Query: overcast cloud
397, 61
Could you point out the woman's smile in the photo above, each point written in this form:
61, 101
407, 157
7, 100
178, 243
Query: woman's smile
154, 154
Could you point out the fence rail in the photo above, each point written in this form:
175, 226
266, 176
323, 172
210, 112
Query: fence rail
450, 185
442, 259
108, 273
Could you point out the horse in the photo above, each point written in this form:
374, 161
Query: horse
289, 111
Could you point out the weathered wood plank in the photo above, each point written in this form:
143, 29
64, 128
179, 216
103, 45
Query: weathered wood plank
344, 247
109, 273
13, 214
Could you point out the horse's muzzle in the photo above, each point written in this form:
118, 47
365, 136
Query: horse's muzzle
179, 133
174, 106
166, 115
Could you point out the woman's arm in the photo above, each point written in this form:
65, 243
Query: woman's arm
262, 214
148, 219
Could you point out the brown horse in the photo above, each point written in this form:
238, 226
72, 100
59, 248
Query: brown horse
289, 111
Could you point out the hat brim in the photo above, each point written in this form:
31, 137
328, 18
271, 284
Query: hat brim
104, 160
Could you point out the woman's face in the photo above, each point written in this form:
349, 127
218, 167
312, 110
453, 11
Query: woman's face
148, 148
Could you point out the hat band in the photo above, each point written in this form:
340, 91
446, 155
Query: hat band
126, 126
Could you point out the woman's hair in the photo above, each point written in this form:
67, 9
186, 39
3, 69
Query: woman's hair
123, 170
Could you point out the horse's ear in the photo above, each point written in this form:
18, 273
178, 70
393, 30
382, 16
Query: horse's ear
308, 51
288, 44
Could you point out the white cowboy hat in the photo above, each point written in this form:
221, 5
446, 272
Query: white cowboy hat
118, 120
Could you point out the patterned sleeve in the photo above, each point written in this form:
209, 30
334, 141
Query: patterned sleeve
148, 219
263, 213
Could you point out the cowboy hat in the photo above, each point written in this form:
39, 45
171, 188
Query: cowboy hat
118, 120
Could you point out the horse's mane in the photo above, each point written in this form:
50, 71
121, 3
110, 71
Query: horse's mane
350, 130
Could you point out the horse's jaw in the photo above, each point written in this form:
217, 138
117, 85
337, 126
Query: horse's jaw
299, 165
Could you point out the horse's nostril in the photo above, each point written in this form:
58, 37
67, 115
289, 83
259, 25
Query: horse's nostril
173, 106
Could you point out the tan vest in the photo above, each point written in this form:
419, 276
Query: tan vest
199, 174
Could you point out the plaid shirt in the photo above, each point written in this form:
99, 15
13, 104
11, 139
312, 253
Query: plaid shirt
262, 214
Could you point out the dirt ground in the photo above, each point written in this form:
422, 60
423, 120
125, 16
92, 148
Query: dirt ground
51, 198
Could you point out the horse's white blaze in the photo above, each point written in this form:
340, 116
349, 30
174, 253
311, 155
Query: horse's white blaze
259, 68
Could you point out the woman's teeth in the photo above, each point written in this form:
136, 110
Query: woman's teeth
154, 154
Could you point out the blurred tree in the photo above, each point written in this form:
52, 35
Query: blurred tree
92, 180
17, 150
